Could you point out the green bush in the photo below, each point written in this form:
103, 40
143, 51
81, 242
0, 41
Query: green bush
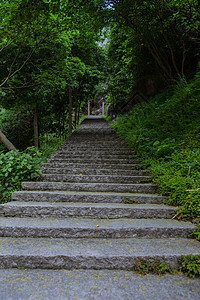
16, 167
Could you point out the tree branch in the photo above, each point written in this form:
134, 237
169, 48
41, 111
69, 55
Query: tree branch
10, 75
4, 47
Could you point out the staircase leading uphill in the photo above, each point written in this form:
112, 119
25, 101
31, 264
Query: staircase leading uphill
91, 209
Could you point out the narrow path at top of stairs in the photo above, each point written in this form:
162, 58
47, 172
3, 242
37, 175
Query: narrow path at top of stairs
92, 209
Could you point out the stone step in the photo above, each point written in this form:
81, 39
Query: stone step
77, 171
92, 156
95, 152
58, 253
47, 196
93, 228
91, 166
86, 210
94, 285
88, 148
94, 178
93, 143
90, 187
92, 160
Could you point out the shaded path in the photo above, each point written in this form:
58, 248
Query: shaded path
76, 218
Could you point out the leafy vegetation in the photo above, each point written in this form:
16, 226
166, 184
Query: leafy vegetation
49, 49
165, 134
190, 265
144, 266
54, 58
152, 43
16, 167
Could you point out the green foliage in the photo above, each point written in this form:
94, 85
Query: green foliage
152, 43
191, 208
46, 48
190, 265
16, 167
49, 144
18, 127
144, 266
165, 134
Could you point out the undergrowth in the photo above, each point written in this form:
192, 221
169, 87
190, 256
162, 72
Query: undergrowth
165, 133
187, 265
15, 167
18, 166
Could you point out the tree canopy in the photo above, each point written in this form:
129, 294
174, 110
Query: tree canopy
50, 47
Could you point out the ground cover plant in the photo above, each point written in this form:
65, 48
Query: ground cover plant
18, 166
15, 167
165, 132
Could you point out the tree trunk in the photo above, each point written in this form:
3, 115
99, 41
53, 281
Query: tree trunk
36, 131
76, 102
88, 107
70, 110
79, 105
6, 142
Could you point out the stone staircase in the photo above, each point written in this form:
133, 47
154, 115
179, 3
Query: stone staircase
92, 209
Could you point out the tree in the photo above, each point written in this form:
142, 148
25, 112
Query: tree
168, 29
44, 53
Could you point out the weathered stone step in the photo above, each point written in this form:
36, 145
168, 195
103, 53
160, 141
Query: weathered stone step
93, 148
95, 285
86, 210
91, 187
95, 152
50, 196
93, 143
92, 160
92, 156
47, 253
91, 166
94, 178
87, 148
77, 171
93, 228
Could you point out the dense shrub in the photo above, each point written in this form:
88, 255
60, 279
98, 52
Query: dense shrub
16, 167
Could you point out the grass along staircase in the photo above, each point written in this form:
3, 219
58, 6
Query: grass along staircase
92, 209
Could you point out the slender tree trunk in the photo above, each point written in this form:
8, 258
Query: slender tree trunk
70, 110
79, 107
36, 130
76, 104
88, 107
6, 142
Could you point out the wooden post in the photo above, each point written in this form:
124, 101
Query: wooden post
6, 142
